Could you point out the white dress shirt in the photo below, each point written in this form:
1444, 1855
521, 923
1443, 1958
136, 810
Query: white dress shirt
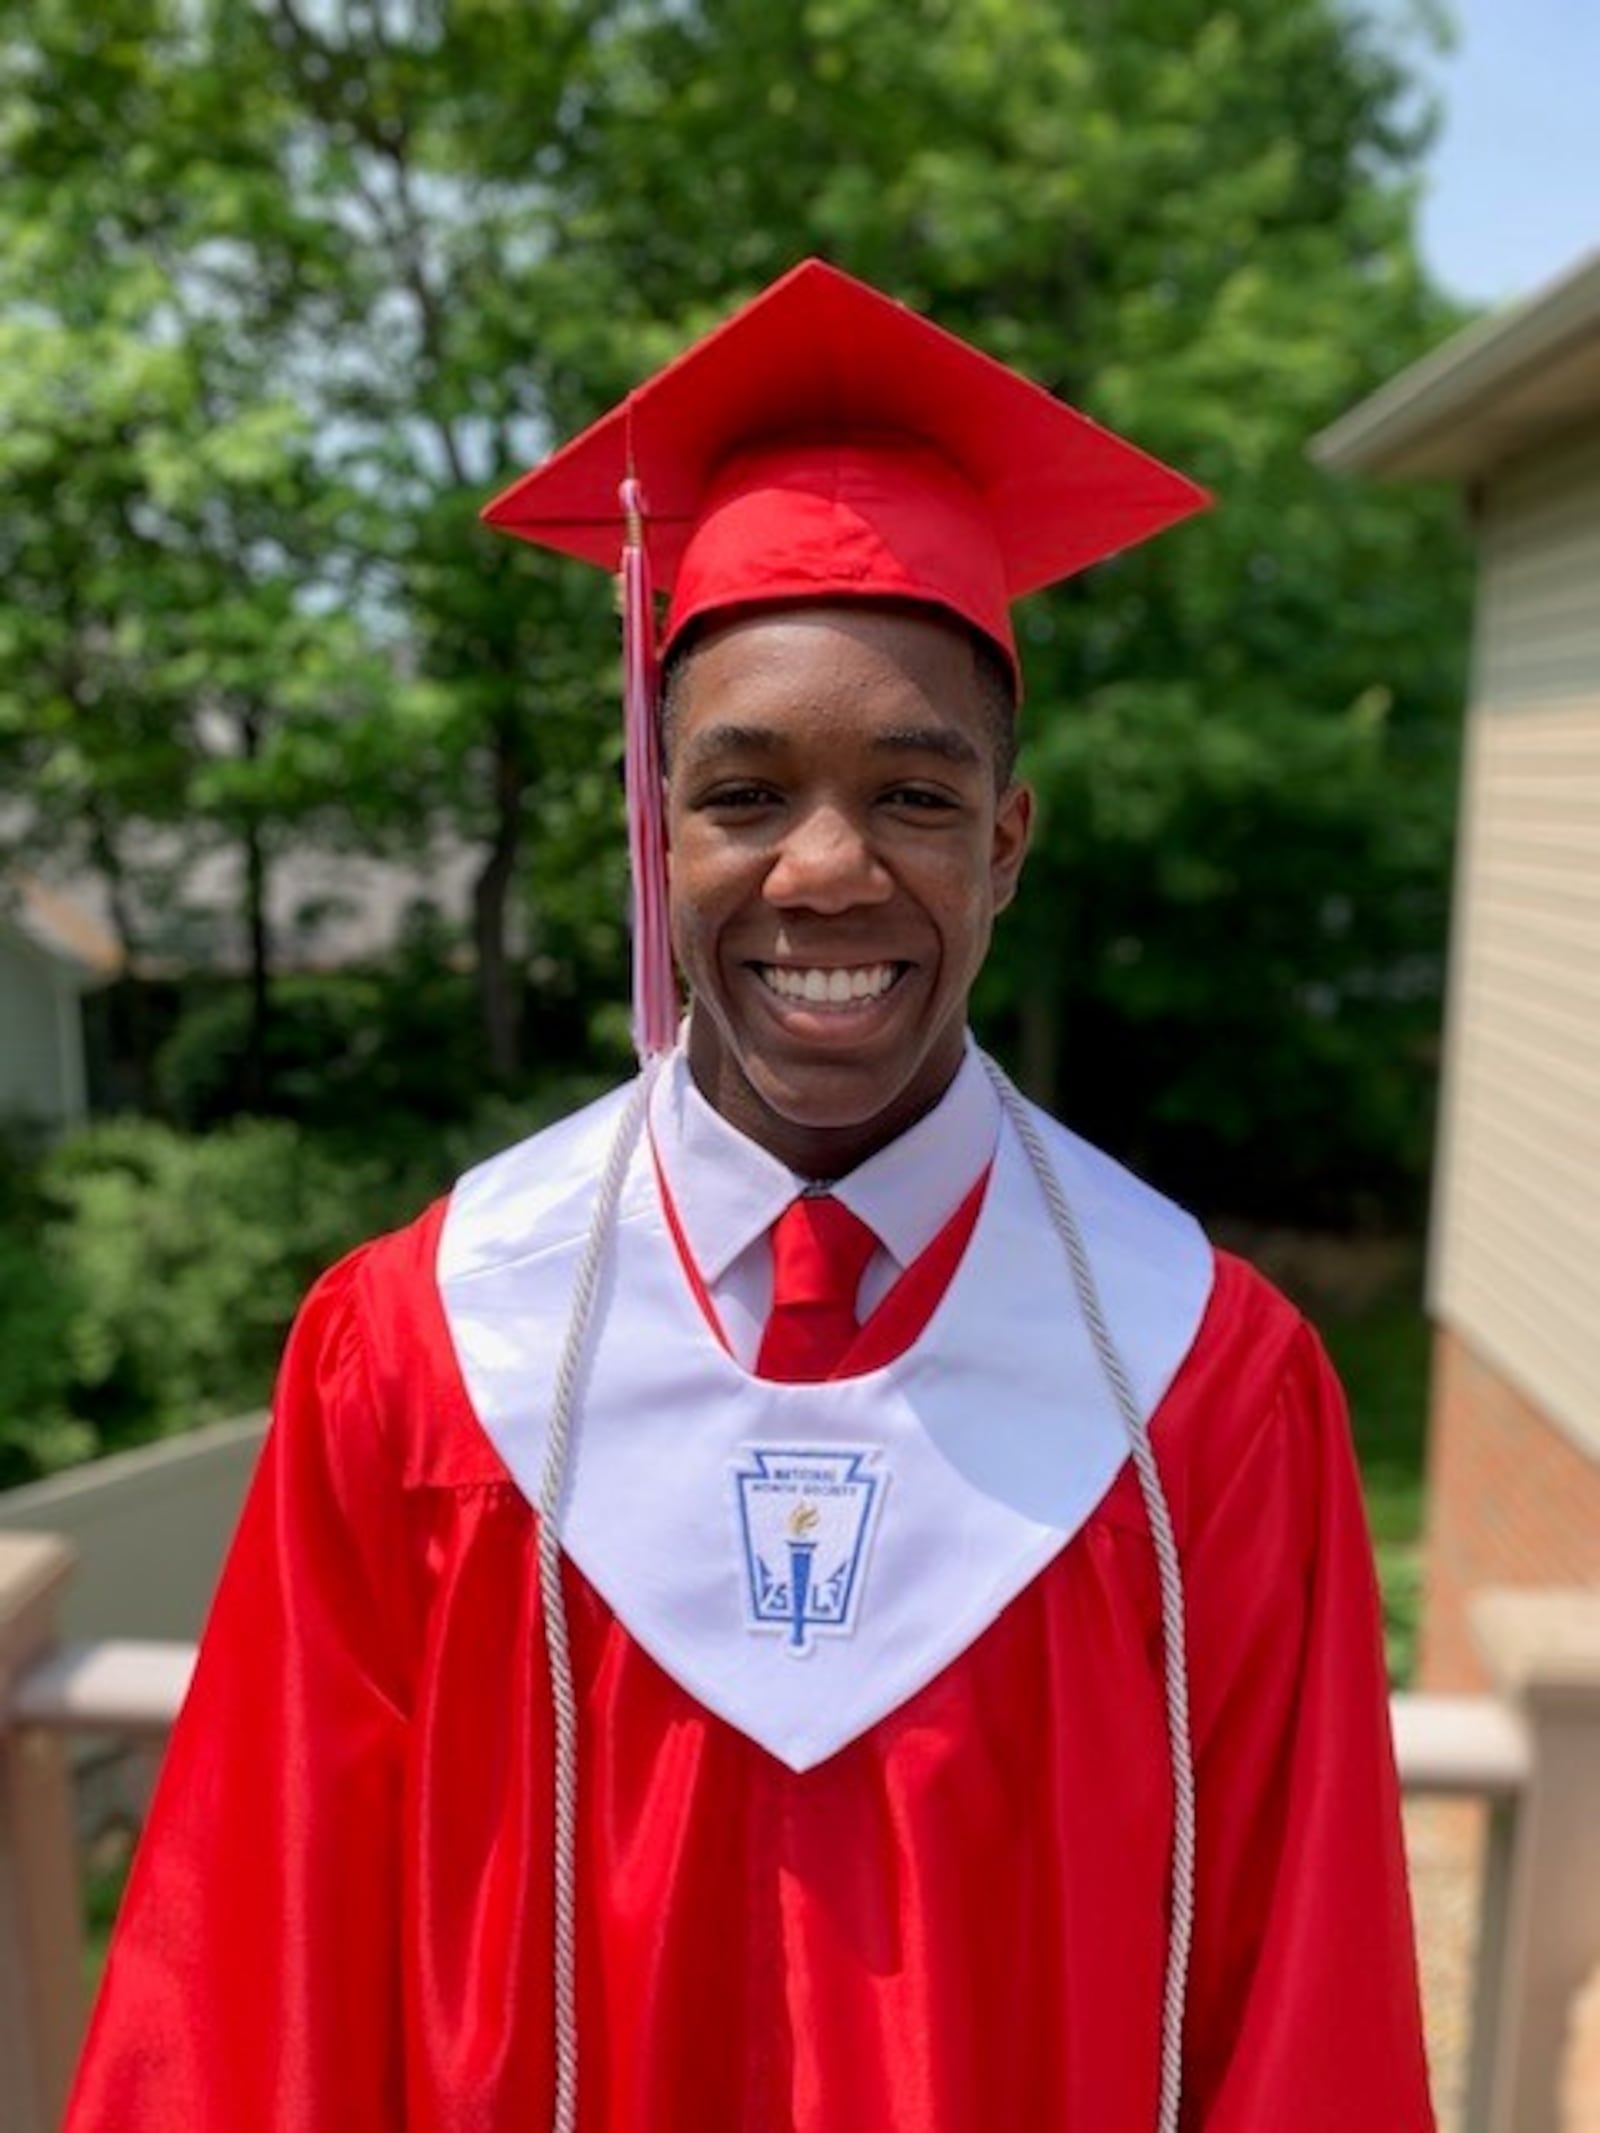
728, 1191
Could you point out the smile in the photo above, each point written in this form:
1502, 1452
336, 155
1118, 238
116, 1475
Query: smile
829, 988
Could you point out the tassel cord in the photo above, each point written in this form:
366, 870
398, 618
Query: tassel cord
655, 1007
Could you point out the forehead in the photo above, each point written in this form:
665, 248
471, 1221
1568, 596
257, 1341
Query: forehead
831, 665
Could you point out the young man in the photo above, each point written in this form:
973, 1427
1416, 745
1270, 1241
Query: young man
803, 1598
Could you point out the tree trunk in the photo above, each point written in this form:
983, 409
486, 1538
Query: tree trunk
499, 992
103, 850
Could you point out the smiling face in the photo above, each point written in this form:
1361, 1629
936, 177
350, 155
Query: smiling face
838, 848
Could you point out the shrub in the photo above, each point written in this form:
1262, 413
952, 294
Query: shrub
344, 1049
148, 1276
38, 1301
38, 1305
183, 1259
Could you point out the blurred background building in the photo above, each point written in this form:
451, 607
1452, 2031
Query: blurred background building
52, 953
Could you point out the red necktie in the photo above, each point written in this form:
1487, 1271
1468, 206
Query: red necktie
819, 1254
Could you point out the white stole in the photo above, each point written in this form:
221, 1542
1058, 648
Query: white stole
804, 1558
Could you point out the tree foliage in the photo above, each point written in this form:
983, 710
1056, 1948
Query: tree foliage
291, 285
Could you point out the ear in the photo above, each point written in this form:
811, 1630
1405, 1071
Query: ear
1013, 827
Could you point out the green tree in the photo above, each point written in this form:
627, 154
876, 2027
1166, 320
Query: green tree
419, 147
169, 571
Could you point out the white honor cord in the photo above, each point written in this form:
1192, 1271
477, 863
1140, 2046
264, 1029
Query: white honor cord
563, 1696
1173, 1639
552, 1490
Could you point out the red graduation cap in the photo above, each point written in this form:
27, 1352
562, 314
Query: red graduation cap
826, 443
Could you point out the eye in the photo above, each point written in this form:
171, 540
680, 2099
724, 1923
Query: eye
922, 799
734, 797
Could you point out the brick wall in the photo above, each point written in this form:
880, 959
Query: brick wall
1511, 1501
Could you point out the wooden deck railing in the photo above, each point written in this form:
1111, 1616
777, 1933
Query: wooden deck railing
1531, 1752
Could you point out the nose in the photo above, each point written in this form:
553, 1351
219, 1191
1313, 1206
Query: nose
826, 862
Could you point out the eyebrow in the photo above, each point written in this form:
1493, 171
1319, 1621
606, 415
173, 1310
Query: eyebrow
713, 741
947, 743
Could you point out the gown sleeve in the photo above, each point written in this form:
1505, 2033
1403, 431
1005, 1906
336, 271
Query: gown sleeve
1303, 2002
253, 1981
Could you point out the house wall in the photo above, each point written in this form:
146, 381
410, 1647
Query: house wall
1515, 1261
1514, 1276
41, 1035
1538, 614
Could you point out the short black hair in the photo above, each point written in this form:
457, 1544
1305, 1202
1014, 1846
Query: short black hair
996, 686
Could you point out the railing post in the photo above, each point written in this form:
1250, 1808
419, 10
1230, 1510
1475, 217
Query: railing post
41, 1927
1543, 1653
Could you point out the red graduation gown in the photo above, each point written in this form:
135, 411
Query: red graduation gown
339, 1918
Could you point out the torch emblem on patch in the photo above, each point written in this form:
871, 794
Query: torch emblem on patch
806, 1520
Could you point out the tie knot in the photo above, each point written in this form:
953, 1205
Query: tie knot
819, 1253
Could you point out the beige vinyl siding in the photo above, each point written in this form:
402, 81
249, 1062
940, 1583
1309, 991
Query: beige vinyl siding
1516, 1233
1516, 1255
1538, 617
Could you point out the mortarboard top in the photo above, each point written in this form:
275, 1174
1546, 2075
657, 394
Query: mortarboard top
826, 442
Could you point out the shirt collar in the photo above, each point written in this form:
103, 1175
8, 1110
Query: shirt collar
727, 1190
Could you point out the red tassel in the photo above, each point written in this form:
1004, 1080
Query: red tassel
655, 994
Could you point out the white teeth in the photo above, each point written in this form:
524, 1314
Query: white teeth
829, 988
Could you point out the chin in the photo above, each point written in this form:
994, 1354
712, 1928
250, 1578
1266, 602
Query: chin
843, 1101
849, 1098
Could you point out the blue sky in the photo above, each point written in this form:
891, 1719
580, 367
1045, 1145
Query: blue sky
1513, 191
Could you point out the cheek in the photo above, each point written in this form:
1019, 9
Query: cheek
705, 886
966, 926
686, 915
963, 896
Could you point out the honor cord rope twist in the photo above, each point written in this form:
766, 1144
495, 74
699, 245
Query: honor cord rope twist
1180, 1931
552, 1491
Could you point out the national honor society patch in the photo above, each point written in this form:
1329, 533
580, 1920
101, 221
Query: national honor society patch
806, 1519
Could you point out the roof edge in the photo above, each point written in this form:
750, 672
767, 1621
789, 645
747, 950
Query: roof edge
59, 931
1380, 433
